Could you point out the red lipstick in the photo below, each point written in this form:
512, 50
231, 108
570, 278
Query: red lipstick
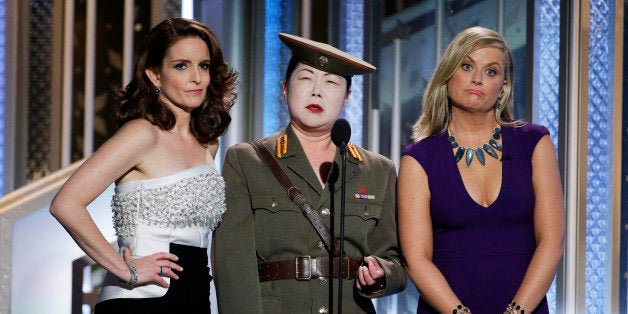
314, 108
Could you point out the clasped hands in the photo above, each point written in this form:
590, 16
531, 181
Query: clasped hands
370, 276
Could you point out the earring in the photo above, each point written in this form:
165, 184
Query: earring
157, 91
499, 106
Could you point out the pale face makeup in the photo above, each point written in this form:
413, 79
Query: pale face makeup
315, 98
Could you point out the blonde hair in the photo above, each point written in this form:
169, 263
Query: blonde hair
436, 110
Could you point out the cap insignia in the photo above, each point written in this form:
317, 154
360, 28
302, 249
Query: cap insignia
322, 61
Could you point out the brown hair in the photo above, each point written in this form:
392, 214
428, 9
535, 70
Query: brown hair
138, 100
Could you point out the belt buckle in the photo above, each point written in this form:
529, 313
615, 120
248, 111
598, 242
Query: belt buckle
345, 263
299, 260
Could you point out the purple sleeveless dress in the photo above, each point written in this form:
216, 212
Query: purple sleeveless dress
483, 252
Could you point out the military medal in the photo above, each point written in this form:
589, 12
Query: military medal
363, 195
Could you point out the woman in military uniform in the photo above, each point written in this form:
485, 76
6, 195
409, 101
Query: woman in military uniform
269, 258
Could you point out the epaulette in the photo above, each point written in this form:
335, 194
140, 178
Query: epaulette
353, 151
282, 145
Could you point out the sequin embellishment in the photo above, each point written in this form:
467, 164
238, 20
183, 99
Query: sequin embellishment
193, 201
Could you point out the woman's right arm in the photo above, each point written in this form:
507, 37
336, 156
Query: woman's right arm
235, 259
113, 159
415, 236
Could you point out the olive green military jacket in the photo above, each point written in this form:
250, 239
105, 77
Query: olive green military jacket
262, 224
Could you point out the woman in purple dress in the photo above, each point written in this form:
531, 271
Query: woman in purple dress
481, 215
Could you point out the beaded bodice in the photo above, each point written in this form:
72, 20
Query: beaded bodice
191, 197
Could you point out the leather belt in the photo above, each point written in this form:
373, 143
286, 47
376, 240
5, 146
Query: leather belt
306, 268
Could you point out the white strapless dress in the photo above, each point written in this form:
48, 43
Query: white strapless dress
182, 208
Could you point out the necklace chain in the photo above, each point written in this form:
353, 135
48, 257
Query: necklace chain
489, 147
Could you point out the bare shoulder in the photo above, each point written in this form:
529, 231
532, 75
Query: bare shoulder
138, 132
118, 156
134, 141
139, 127
544, 149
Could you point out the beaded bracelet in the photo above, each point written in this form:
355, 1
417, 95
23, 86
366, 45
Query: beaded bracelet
514, 308
461, 309
133, 281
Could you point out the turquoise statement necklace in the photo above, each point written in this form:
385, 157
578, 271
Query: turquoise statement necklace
488, 147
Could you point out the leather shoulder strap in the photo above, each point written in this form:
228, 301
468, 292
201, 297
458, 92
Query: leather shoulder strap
294, 193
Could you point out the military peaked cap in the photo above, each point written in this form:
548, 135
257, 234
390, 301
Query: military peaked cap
325, 57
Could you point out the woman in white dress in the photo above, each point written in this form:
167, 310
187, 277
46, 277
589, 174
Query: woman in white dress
169, 195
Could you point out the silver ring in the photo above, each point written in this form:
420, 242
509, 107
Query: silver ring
161, 270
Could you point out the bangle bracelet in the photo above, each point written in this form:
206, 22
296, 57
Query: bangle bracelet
461, 309
133, 281
514, 308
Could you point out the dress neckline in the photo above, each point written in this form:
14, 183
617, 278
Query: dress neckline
174, 176
452, 161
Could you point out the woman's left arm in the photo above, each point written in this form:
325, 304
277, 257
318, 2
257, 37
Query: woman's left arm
384, 273
549, 226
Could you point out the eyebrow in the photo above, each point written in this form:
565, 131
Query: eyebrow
312, 72
187, 60
487, 65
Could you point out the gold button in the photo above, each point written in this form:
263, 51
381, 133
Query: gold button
320, 245
274, 204
325, 211
323, 309
366, 214
322, 279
